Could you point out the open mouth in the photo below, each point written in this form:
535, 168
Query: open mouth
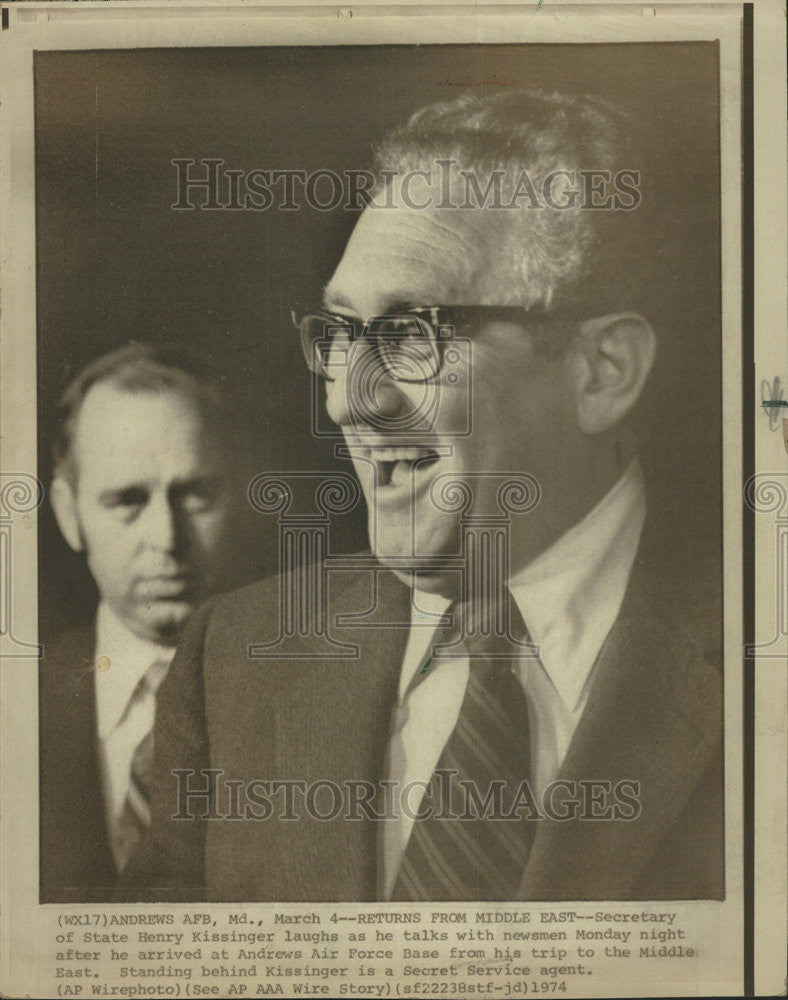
397, 466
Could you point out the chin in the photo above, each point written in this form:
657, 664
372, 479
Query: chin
433, 582
425, 536
166, 628
425, 571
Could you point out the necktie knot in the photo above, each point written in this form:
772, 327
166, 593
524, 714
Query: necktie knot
489, 631
143, 696
155, 674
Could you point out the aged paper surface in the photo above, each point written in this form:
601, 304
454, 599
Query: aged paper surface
613, 175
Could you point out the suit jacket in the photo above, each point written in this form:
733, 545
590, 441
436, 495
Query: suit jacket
654, 715
76, 859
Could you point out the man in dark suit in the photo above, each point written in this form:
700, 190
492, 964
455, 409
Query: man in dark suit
522, 708
141, 487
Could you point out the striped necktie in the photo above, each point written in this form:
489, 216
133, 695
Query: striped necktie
134, 818
456, 853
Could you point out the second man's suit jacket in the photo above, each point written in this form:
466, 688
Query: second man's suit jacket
76, 858
654, 715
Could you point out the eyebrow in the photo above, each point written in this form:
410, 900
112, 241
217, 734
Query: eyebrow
332, 298
403, 304
202, 482
398, 302
110, 496
178, 486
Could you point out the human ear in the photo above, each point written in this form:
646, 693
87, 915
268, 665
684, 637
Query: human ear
611, 360
64, 504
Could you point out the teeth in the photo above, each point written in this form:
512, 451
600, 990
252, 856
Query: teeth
399, 454
395, 473
393, 463
383, 473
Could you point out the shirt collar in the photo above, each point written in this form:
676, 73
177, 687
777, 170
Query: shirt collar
127, 659
571, 594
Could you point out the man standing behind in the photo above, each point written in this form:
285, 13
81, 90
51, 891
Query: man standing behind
141, 487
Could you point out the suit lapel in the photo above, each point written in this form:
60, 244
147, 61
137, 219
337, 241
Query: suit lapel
88, 795
653, 716
340, 711
72, 800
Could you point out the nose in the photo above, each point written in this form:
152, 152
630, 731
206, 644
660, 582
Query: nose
163, 527
362, 393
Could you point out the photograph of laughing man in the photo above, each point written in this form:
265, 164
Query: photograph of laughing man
544, 721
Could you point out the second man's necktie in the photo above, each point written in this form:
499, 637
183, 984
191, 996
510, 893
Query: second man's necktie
134, 818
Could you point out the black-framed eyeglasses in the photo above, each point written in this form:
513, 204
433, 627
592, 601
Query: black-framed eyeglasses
410, 343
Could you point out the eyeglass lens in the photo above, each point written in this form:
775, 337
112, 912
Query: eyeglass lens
405, 345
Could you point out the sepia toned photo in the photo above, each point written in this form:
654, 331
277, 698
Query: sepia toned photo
510, 277
385, 521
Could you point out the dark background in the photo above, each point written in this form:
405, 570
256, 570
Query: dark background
115, 262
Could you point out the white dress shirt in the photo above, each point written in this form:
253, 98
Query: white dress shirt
122, 660
569, 598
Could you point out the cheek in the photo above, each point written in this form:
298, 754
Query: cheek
500, 422
112, 566
209, 530
517, 424
107, 540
